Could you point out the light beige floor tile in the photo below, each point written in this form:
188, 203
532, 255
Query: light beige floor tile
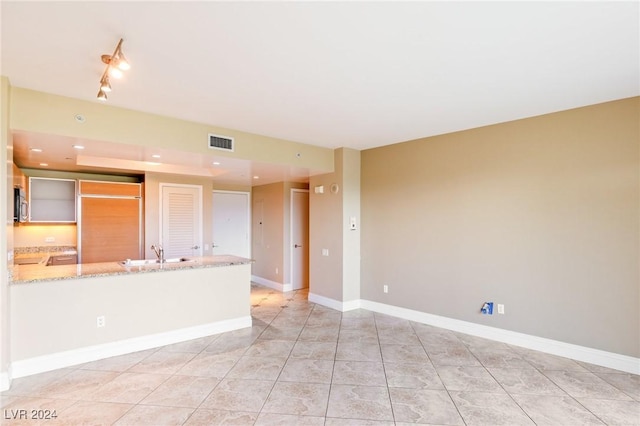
78, 385
305, 399
550, 410
424, 406
118, 363
215, 365
585, 385
613, 412
354, 351
319, 334
181, 391
527, 381
143, 415
628, 383
543, 361
162, 363
452, 355
239, 395
502, 357
190, 346
472, 379
258, 368
363, 373
31, 385
358, 336
307, 371
207, 417
404, 353
267, 419
277, 348
415, 376
398, 337
359, 402
356, 422
91, 413
359, 323
480, 408
314, 350
280, 333
128, 388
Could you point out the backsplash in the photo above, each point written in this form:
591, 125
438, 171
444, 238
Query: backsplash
41, 249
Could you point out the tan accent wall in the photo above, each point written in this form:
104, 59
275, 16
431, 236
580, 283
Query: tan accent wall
541, 215
51, 114
6, 233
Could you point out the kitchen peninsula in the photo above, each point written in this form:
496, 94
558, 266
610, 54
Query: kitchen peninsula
70, 314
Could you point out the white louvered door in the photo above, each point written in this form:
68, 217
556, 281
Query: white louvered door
181, 220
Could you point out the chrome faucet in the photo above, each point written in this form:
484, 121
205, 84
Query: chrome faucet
159, 252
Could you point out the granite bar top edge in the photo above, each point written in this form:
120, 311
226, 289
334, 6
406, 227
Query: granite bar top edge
28, 274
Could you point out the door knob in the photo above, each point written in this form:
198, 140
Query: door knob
195, 247
297, 246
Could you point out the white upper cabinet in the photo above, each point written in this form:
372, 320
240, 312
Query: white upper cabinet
52, 200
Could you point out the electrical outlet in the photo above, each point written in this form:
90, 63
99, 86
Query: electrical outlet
385, 288
100, 321
49, 239
277, 270
325, 252
501, 309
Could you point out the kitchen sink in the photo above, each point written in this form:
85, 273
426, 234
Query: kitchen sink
143, 262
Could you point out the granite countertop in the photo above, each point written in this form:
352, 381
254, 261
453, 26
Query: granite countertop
40, 255
22, 274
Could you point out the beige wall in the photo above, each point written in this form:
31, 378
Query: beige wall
51, 114
267, 228
540, 214
336, 276
271, 228
134, 305
6, 230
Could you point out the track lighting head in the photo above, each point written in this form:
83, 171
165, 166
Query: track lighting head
116, 63
105, 85
101, 95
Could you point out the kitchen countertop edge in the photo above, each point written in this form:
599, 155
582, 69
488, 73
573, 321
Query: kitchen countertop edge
27, 274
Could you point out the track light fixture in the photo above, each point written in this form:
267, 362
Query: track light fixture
116, 63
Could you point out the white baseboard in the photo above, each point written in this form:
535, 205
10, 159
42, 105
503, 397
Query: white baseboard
57, 360
330, 303
272, 284
568, 350
5, 380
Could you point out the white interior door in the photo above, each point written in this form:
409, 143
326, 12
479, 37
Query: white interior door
299, 238
181, 220
231, 223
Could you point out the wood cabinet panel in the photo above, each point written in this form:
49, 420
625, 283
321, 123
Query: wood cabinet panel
89, 187
110, 229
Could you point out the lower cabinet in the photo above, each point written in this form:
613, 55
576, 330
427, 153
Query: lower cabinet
63, 259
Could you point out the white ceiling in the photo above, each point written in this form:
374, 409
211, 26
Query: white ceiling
352, 74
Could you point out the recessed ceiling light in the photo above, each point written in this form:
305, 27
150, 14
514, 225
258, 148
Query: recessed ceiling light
44, 164
35, 150
78, 146
216, 163
155, 156
256, 177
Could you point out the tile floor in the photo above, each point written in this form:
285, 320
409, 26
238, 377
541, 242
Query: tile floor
304, 364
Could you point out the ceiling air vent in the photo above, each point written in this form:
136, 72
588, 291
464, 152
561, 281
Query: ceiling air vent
224, 143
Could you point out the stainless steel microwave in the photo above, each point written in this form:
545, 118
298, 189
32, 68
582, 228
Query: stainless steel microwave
20, 206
